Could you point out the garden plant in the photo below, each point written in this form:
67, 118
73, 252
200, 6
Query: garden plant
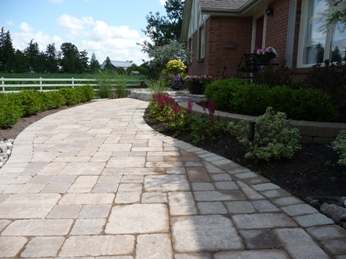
26, 103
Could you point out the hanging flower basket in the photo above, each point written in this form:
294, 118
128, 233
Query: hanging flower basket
266, 55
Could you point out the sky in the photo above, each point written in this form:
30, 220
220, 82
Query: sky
105, 27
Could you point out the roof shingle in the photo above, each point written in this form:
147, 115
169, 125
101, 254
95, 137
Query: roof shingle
223, 5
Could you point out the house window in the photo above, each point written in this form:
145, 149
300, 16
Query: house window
202, 43
320, 42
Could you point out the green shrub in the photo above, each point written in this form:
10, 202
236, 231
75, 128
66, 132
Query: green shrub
31, 101
241, 96
87, 93
53, 100
204, 129
10, 111
121, 89
274, 138
104, 82
71, 96
340, 147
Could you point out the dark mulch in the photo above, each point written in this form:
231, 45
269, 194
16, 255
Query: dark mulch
312, 172
22, 123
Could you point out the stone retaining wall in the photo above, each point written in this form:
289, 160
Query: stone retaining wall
312, 132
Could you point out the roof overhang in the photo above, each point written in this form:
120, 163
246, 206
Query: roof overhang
247, 9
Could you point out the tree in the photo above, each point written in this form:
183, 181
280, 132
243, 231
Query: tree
337, 12
21, 62
107, 65
163, 29
51, 59
6, 51
36, 59
70, 60
83, 61
160, 55
94, 64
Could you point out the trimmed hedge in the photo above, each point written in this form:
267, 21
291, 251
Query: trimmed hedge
26, 103
241, 96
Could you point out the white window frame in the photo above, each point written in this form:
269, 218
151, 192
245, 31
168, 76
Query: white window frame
302, 37
202, 38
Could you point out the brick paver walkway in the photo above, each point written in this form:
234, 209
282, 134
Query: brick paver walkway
96, 181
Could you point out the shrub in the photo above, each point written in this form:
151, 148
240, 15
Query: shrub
87, 93
31, 102
241, 96
104, 82
53, 100
164, 109
71, 96
330, 79
157, 86
340, 147
272, 75
274, 138
10, 111
121, 89
26, 103
204, 129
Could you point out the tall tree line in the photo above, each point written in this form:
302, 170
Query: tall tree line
67, 60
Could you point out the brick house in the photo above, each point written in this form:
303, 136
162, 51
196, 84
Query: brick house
219, 32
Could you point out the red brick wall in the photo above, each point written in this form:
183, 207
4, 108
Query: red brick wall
277, 28
228, 39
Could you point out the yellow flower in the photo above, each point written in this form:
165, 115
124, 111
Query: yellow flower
176, 66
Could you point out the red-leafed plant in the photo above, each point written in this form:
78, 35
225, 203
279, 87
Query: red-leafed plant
165, 109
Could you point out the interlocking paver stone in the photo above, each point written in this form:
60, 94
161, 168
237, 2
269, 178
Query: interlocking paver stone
43, 246
181, 203
192, 256
265, 220
10, 246
96, 182
138, 218
205, 233
98, 245
327, 232
211, 208
262, 254
37, 227
88, 227
154, 246
311, 220
166, 183
299, 244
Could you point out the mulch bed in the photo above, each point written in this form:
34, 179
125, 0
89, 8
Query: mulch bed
312, 172
22, 123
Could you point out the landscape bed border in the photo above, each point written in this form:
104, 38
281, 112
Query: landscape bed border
313, 132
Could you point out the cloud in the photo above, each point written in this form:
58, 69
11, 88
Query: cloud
162, 2
117, 42
26, 33
87, 33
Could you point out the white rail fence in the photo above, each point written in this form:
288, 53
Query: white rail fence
48, 84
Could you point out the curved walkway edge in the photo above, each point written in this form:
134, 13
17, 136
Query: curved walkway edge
95, 181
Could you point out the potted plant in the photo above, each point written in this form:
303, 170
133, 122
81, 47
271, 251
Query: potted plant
197, 84
266, 55
176, 69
